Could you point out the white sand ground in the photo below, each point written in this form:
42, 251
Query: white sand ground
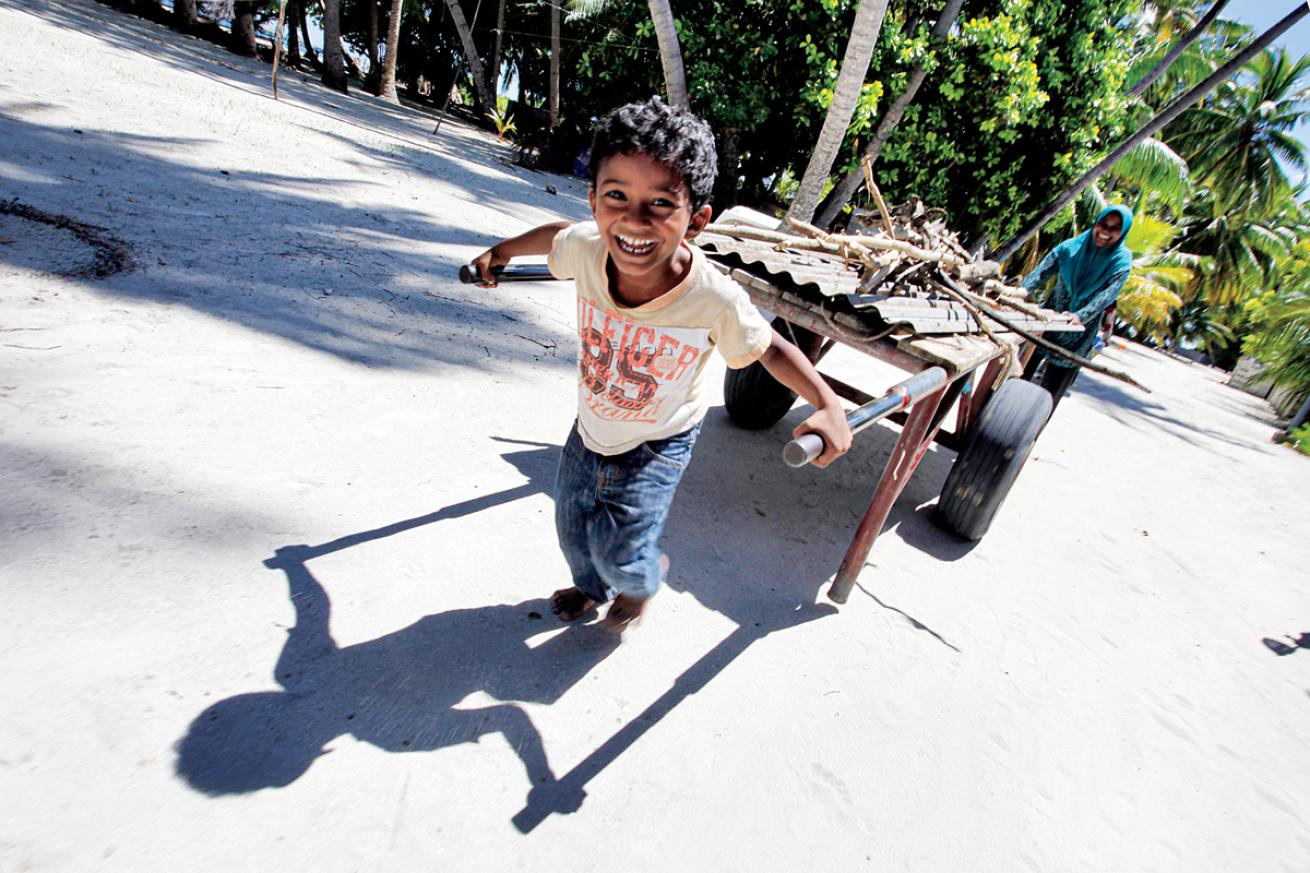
1085, 690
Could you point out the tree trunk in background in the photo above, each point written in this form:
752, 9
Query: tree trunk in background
304, 30
854, 65
334, 62
1065, 197
1188, 38
184, 14
494, 73
554, 65
387, 82
666, 34
243, 29
471, 56
725, 182
374, 81
844, 190
293, 44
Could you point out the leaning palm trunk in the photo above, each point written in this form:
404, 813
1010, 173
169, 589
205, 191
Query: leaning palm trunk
850, 183
480, 86
855, 63
1172, 55
334, 61
554, 65
666, 34
1065, 197
387, 82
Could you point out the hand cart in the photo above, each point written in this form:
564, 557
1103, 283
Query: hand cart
998, 417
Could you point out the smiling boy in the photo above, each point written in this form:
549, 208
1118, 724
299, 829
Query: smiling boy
650, 310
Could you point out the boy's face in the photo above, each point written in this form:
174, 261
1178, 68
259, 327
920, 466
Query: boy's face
643, 210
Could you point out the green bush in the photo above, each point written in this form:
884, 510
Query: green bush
1299, 438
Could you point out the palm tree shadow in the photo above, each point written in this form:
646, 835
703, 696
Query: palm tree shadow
400, 692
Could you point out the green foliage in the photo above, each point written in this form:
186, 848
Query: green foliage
1280, 320
504, 121
1024, 95
1299, 438
1151, 297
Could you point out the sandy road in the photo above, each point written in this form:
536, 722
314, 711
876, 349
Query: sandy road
275, 520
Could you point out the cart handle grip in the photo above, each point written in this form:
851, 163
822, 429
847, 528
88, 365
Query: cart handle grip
470, 275
902, 395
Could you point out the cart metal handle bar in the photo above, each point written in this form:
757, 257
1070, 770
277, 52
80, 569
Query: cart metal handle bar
469, 274
902, 395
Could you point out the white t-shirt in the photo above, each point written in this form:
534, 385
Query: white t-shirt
641, 369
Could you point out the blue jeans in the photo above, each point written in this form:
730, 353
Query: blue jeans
610, 511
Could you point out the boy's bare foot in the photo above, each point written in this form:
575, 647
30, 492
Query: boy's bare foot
571, 604
624, 611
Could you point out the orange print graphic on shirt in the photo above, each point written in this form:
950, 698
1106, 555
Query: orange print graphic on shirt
624, 365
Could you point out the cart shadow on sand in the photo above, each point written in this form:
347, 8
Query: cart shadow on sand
402, 692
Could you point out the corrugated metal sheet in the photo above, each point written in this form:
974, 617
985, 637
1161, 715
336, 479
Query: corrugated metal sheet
826, 274
830, 276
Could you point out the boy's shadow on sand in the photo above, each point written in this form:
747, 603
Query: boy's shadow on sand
402, 691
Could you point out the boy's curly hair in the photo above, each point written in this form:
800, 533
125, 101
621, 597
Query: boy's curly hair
675, 137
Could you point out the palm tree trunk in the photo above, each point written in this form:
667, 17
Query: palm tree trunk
334, 62
554, 65
293, 44
1188, 38
844, 190
374, 72
243, 29
855, 63
470, 54
666, 34
725, 182
494, 73
184, 14
387, 82
303, 12
1065, 197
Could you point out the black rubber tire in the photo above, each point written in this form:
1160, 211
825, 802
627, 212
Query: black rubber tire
997, 448
755, 400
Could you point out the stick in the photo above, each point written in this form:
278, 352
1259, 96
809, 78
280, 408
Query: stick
277, 42
867, 166
960, 294
946, 259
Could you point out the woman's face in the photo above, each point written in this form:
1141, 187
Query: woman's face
1107, 230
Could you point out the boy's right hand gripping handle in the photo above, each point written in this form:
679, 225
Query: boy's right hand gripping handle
809, 446
469, 273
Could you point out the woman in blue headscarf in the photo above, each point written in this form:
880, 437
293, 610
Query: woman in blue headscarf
1092, 269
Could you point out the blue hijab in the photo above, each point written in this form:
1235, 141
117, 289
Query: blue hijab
1085, 267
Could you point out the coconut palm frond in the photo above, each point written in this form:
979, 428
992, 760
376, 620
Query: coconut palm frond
1143, 302
1150, 235
1088, 206
580, 10
1176, 279
1265, 241
1153, 166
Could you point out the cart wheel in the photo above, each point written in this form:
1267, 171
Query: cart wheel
755, 400
991, 460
